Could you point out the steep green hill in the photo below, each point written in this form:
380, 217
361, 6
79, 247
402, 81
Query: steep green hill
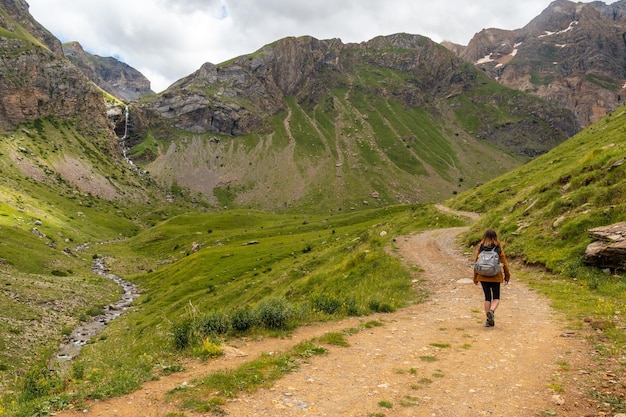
551, 201
543, 211
62, 193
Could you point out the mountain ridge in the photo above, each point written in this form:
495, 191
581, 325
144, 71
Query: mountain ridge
402, 95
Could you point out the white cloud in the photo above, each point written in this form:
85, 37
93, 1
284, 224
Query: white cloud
169, 39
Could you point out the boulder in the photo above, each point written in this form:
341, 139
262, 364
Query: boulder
609, 249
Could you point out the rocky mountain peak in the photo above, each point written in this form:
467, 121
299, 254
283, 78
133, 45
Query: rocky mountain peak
572, 54
112, 75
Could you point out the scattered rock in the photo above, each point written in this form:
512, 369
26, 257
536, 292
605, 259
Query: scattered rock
609, 249
231, 352
558, 400
558, 221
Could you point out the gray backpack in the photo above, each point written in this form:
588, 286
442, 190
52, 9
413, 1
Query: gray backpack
488, 263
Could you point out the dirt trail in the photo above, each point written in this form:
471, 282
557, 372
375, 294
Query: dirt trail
431, 359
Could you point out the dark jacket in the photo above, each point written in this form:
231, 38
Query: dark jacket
503, 275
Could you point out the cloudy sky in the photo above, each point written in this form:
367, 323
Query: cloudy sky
169, 39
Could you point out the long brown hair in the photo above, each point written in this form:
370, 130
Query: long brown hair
490, 238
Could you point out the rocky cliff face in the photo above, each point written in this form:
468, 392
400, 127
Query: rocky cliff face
113, 76
573, 54
237, 97
36, 80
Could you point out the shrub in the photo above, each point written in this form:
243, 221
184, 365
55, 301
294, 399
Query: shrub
212, 323
182, 334
378, 307
275, 313
352, 308
244, 319
325, 304
39, 382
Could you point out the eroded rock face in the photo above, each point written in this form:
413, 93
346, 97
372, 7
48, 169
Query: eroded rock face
18, 14
609, 250
572, 54
37, 81
113, 76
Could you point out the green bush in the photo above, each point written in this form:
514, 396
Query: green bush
182, 334
325, 304
352, 308
244, 319
275, 313
378, 307
39, 382
213, 323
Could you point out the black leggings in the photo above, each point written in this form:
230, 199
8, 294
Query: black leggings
491, 290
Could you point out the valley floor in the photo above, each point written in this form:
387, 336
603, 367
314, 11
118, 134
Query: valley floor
431, 359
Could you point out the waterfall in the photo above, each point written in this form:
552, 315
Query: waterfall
124, 137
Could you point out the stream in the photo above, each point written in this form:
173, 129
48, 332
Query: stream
71, 346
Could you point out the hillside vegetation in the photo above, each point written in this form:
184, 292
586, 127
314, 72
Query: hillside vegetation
207, 276
543, 211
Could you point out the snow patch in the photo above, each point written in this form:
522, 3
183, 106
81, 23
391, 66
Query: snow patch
569, 28
485, 59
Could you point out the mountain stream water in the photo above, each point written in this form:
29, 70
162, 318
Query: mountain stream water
71, 346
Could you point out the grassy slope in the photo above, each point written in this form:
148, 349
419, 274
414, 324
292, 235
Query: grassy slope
333, 157
297, 256
49, 223
543, 211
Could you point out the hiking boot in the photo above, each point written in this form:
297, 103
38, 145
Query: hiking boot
488, 324
490, 319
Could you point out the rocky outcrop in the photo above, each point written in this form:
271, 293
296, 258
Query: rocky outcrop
113, 76
609, 249
572, 54
236, 98
36, 81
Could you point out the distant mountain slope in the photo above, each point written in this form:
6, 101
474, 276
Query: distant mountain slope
572, 54
113, 76
304, 121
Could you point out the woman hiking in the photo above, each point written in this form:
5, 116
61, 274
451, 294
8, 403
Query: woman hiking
491, 280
